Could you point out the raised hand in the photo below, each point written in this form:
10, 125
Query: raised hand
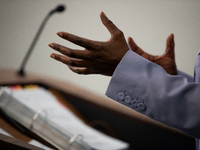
167, 60
98, 57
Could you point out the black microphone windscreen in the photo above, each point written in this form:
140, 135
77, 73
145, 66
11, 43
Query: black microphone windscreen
60, 8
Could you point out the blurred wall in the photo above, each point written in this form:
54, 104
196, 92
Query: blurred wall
149, 22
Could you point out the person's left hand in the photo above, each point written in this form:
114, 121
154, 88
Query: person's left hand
167, 60
97, 57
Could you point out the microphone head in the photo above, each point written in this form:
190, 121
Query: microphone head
60, 8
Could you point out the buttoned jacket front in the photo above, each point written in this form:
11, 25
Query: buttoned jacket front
146, 87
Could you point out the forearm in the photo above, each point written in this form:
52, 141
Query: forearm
171, 100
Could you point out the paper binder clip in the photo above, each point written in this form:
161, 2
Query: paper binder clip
35, 117
73, 139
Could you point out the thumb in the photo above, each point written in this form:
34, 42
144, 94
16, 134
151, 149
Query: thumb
108, 23
170, 46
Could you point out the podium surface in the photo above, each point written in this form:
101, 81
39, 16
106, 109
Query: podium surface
121, 122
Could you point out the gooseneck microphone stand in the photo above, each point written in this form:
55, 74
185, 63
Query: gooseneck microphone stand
21, 72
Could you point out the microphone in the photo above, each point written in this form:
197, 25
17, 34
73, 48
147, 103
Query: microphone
58, 9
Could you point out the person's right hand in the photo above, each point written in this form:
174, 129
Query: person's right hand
98, 57
167, 60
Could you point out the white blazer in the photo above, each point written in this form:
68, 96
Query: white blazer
146, 87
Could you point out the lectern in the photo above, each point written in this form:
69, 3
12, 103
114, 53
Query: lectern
104, 114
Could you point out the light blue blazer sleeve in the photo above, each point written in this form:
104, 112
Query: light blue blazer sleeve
188, 77
148, 89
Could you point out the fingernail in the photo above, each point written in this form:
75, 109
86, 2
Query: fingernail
52, 56
60, 34
51, 45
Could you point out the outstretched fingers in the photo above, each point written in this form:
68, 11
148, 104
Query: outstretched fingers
134, 46
71, 61
83, 42
78, 66
80, 54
